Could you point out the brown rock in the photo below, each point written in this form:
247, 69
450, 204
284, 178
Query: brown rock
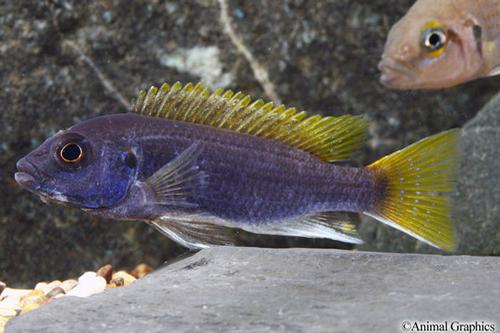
141, 270
106, 272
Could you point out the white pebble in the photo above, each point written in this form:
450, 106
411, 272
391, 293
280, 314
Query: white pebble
11, 302
7, 312
88, 286
14, 292
40, 285
86, 275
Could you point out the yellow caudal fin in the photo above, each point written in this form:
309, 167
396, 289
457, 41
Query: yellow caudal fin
418, 181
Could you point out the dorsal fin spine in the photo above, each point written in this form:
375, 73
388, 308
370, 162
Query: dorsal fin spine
252, 114
256, 126
268, 126
158, 101
318, 131
150, 97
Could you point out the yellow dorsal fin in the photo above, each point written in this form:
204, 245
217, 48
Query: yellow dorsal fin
328, 138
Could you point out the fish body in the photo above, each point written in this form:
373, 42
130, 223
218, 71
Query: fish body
249, 179
440, 44
192, 165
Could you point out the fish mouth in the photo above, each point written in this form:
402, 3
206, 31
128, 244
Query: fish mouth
396, 74
26, 175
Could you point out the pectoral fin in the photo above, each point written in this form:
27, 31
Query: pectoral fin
179, 181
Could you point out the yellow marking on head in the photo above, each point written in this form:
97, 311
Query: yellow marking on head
328, 138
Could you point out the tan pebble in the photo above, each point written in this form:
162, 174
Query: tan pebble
68, 285
14, 292
11, 302
56, 291
141, 270
5, 312
40, 285
3, 322
116, 282
29, 307
106, 272
51, 286
33, 293
127, 278
37, 297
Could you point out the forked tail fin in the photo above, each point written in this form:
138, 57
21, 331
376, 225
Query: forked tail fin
418, 181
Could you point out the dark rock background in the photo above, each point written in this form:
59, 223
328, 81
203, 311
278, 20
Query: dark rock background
65, 61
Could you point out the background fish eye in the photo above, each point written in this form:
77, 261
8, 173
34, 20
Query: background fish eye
71, 153
434, 40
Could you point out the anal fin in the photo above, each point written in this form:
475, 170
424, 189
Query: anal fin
197, 231
337, 226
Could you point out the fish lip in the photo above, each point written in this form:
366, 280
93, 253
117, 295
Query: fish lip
392, 71
25, 179
27, 174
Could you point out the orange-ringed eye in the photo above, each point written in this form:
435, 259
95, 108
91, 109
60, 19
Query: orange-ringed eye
71, 153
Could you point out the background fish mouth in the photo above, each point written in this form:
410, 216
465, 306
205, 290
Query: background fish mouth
393, 71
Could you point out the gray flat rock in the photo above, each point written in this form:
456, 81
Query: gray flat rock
294, 290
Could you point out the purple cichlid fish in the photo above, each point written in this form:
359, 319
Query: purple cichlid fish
196, 165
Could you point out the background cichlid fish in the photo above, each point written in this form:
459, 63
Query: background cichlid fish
442, 43
195, 165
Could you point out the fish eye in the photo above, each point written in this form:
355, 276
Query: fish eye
434, 40
71, 153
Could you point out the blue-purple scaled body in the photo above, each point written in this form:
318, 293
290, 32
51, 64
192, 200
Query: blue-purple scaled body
195, 182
